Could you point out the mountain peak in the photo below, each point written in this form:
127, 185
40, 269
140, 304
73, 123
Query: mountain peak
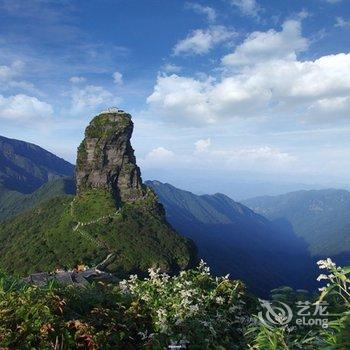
106, 158
95, 223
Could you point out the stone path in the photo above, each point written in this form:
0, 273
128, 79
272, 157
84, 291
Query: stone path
80, 224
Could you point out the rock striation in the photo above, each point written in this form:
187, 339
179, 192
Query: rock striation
106, 159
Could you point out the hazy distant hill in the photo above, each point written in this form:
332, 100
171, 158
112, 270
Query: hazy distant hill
238, 185
233, 239
321, 217
13, 202
25, 167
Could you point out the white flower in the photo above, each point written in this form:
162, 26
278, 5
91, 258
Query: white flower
326, 264
186, 293
204, 268
193, 309
153, 273
132, 278
124, 285
161, 313
322, 277
145, 297
165, 277
220, 300
162, 320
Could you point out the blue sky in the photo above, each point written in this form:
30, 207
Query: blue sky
221, 87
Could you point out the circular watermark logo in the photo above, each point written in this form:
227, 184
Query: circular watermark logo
275, 313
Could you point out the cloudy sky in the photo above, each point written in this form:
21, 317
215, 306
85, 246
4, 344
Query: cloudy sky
226, 86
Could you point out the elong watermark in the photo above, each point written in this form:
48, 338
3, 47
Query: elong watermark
278, 313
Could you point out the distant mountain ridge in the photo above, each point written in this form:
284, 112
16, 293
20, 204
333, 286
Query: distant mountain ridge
217, 208
13, 203
234, 239
265, 241
24, 167
321, 217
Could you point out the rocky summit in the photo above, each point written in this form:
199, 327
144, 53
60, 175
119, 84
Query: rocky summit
112, 215
106, 159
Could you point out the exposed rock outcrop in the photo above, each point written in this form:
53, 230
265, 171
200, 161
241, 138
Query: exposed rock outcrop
106, 158
113, 215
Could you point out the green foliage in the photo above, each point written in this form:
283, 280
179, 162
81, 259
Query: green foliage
102, 126
191, 308
335, 336
82, 154
94, 317
13, 202
49, 237
92, 204
25, 244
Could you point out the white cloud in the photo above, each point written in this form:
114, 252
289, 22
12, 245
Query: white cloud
8, 72
258, 154
202, 145
324, 108
247, 7
340, 22
263, 158
77, 80
92, 96
159, 154
9, 77
23, 108
262, 78
262, 46
118, 78
171, 68
181, 99
201, 41
207, 11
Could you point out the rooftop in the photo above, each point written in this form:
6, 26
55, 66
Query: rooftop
112, 110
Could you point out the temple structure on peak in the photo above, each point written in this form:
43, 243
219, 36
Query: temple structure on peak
112, 110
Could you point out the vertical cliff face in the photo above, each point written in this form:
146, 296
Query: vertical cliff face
106, 159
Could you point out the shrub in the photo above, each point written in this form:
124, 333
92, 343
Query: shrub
192, 309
